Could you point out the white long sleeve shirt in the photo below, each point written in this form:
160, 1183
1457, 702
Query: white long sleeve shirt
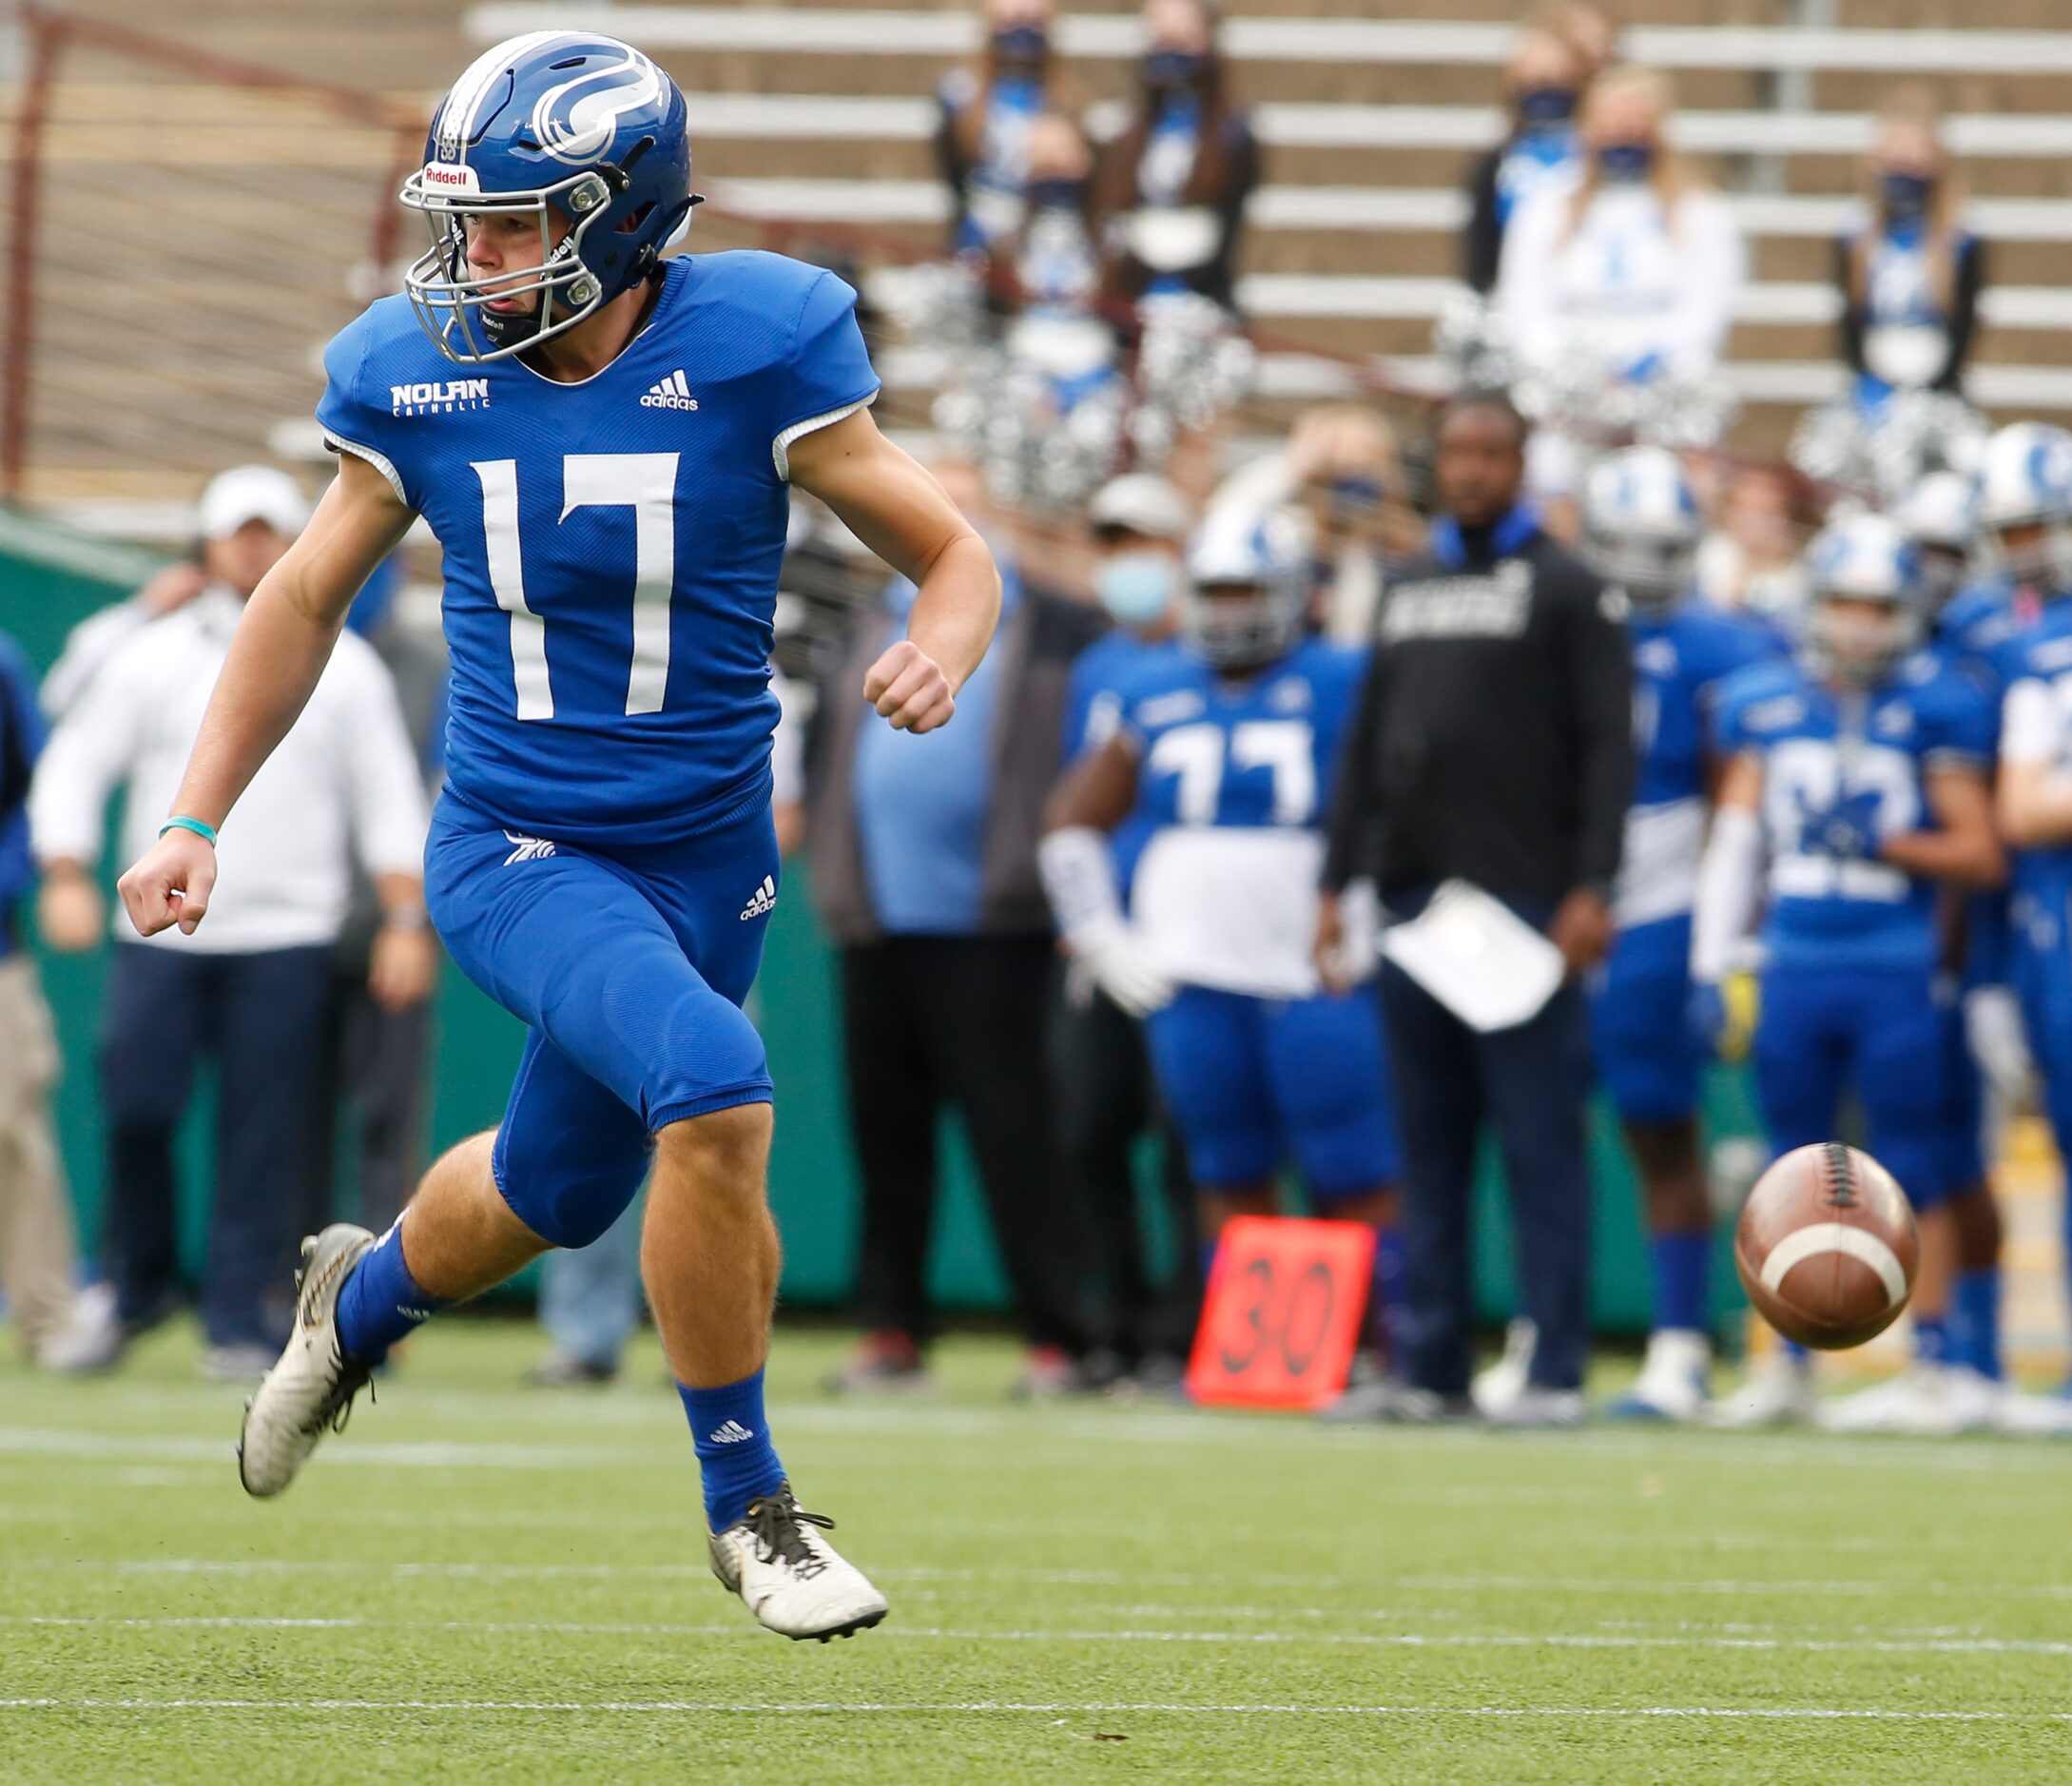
1627, 282
344, 781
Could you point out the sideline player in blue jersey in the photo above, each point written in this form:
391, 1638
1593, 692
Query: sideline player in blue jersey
2035, 666
1226, 745
1641, 527
1968, 621
1857, 788
602, 440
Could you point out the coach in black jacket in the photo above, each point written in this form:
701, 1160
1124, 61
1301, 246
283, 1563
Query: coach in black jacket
1494, 743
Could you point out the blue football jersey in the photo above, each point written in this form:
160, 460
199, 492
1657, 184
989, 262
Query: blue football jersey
1260, 752
1680, 659
1862, 756
1100, 677
611, 547
1975, 626
2035, 669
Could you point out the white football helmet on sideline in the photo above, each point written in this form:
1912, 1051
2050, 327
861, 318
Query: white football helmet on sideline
1939, 516
1856, 563
1248, 588
1641, 526
2024, 504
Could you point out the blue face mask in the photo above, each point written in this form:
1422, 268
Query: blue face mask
1136, 587
1021, 44
1905, 196
1170, 69
1055, 195
1545, 108
1625, 163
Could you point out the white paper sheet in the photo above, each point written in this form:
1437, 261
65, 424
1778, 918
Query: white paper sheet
1477, 956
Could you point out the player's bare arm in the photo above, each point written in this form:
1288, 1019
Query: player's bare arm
1097, 791
281, 646
1964, 849
896, 508
2035, 804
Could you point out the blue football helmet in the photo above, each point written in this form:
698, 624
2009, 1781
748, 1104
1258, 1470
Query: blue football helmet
1641, 527
1860, 559
569, 125
2026, 484
1248, 589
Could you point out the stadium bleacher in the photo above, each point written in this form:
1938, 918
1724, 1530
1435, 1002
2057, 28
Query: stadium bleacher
820, 116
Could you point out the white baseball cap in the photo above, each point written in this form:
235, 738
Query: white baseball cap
252, 492
1141, 503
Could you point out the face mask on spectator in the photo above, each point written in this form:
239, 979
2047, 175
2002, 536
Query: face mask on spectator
1625, 163
1170, 69
1136, 587
1545, 108
1907, 195
1021, 45
1055, 195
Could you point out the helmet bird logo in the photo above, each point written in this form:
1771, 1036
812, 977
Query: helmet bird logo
574, 121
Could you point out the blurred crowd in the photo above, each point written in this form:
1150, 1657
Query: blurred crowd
1697, 758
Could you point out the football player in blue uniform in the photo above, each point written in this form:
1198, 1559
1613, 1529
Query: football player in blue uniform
1226, 744
603, 443
1857, 788
1968, 621
2035, 665
1641, 528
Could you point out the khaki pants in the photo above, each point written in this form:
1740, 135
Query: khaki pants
36, 1255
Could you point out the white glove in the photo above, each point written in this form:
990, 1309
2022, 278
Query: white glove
1998, 1042
1124, 969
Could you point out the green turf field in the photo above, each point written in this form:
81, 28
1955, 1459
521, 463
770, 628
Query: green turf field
481, 1583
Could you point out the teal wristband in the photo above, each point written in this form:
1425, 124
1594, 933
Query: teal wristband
180, 822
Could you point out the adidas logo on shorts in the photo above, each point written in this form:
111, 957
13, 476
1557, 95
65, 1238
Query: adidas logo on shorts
733, 1432
762, 901
670, 393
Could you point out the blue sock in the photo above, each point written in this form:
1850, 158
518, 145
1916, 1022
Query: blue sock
1385, 1297
1931, 1338
735, 1456
1978, 1320
379, 1301
1678, 1265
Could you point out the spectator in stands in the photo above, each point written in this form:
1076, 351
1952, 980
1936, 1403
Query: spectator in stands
1106, 1095
250, 989
1171, 193
1749, 559
924, 874
1493, 745
1049, 271
1911, 273
1544, 84
985, 111
1589, 30
36, 1259
1635, 266
1342, 473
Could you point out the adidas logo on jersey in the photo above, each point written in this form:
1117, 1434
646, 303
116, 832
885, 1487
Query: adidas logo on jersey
438, 399
670, 393
529, 848
733, 1432
762, 900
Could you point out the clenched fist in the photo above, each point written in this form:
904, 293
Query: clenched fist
908, 688
170, 885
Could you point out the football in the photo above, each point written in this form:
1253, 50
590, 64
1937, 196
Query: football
1827, 1247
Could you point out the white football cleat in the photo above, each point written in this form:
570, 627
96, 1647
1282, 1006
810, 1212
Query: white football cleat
1535, 1408
2033, 1416
310, 1391
1778, 1390
1673, 1380
1925, 1401
1503, 1382
791, 1576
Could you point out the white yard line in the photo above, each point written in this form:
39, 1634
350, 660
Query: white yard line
765, 1708
1363, 1639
